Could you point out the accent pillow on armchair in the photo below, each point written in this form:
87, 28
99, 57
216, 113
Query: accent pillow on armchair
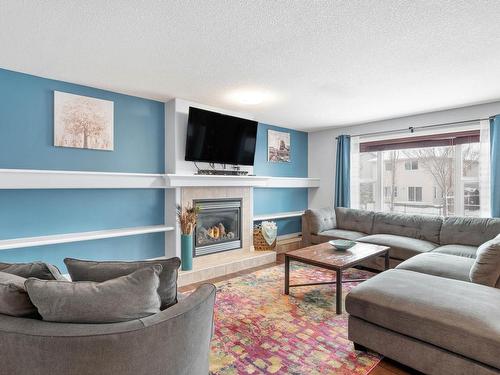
124, 298
86, 270
486, 268
14, 299
40, 270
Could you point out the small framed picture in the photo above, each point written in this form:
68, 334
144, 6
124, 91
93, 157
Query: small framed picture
278, 147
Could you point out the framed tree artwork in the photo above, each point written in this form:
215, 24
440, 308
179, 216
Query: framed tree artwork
278, 147
83, 122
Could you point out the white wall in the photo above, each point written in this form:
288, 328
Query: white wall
180, 129
323, 147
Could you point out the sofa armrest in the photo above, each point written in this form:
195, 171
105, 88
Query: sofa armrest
306, 231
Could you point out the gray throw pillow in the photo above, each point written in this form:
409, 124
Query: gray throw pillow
86, 270
486, 268
125, 298
14, 300
39, 270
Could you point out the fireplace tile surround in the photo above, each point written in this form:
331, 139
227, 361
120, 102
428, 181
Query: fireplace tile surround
223, 263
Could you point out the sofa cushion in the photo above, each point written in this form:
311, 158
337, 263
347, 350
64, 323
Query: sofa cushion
458, 250
468, 230
342, 234
14, 300
459, 316
125, 298
40, 270
86, 270
320, 219
401, 247
355, 220
486, 268
443, 265
425, 228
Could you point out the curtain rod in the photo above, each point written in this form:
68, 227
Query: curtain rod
412, 129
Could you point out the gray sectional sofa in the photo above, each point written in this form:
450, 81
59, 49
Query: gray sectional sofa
406, 235
438, 311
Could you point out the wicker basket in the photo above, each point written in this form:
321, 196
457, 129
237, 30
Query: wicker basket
259, 243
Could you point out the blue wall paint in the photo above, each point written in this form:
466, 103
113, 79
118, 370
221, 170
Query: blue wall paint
27, 135
120, 248
27, 213
270, 201
298, 165
26, 142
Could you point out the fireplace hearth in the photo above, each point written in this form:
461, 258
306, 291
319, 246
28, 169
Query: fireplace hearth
218, 227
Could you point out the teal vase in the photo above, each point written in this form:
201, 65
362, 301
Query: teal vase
186, 252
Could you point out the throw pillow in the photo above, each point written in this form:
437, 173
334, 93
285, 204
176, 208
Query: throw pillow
125, 298
486, 268
39, 270
14, 300
85, 270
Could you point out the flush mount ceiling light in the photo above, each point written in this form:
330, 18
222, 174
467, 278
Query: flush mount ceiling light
249, 97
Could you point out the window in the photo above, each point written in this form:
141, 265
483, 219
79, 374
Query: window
437, 174
415, 193
411, 165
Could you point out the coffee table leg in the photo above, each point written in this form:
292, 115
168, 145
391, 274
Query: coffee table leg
338, 292
287, 274
387, 260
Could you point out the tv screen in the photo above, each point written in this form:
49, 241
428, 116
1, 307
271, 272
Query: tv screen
216, 138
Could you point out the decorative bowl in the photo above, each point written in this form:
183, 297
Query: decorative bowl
342, 244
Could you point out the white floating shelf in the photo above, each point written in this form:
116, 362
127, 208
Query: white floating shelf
292, 182
280, 215
81, 236
48, 179
53, 179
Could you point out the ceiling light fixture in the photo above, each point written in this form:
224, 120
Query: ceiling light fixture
249, 97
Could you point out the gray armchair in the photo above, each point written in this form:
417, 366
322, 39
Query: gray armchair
175, 341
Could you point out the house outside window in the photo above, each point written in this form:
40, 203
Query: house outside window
411, 165
415, 193
438, 174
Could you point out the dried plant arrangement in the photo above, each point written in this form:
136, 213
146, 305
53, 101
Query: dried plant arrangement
187, 217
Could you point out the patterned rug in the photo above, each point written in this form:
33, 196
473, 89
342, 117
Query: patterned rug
259, 330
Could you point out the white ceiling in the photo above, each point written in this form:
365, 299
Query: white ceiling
326, 63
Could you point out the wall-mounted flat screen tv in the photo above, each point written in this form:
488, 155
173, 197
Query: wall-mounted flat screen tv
216, 138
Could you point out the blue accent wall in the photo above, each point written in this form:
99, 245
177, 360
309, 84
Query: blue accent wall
27, 129
26, 142
275, 200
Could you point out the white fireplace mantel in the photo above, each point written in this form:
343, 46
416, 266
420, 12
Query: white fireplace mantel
190, 180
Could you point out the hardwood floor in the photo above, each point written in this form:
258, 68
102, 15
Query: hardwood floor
385, 367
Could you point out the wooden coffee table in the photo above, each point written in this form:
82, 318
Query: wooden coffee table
326, 256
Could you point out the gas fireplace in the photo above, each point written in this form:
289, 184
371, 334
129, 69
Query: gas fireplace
218, 227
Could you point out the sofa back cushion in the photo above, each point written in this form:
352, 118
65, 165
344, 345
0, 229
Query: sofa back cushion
356, 220
486, 268
320, 219
88, 270
14, 300
468, 230
125, 298
421, 227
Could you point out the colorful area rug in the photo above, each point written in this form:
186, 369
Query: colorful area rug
259, 330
